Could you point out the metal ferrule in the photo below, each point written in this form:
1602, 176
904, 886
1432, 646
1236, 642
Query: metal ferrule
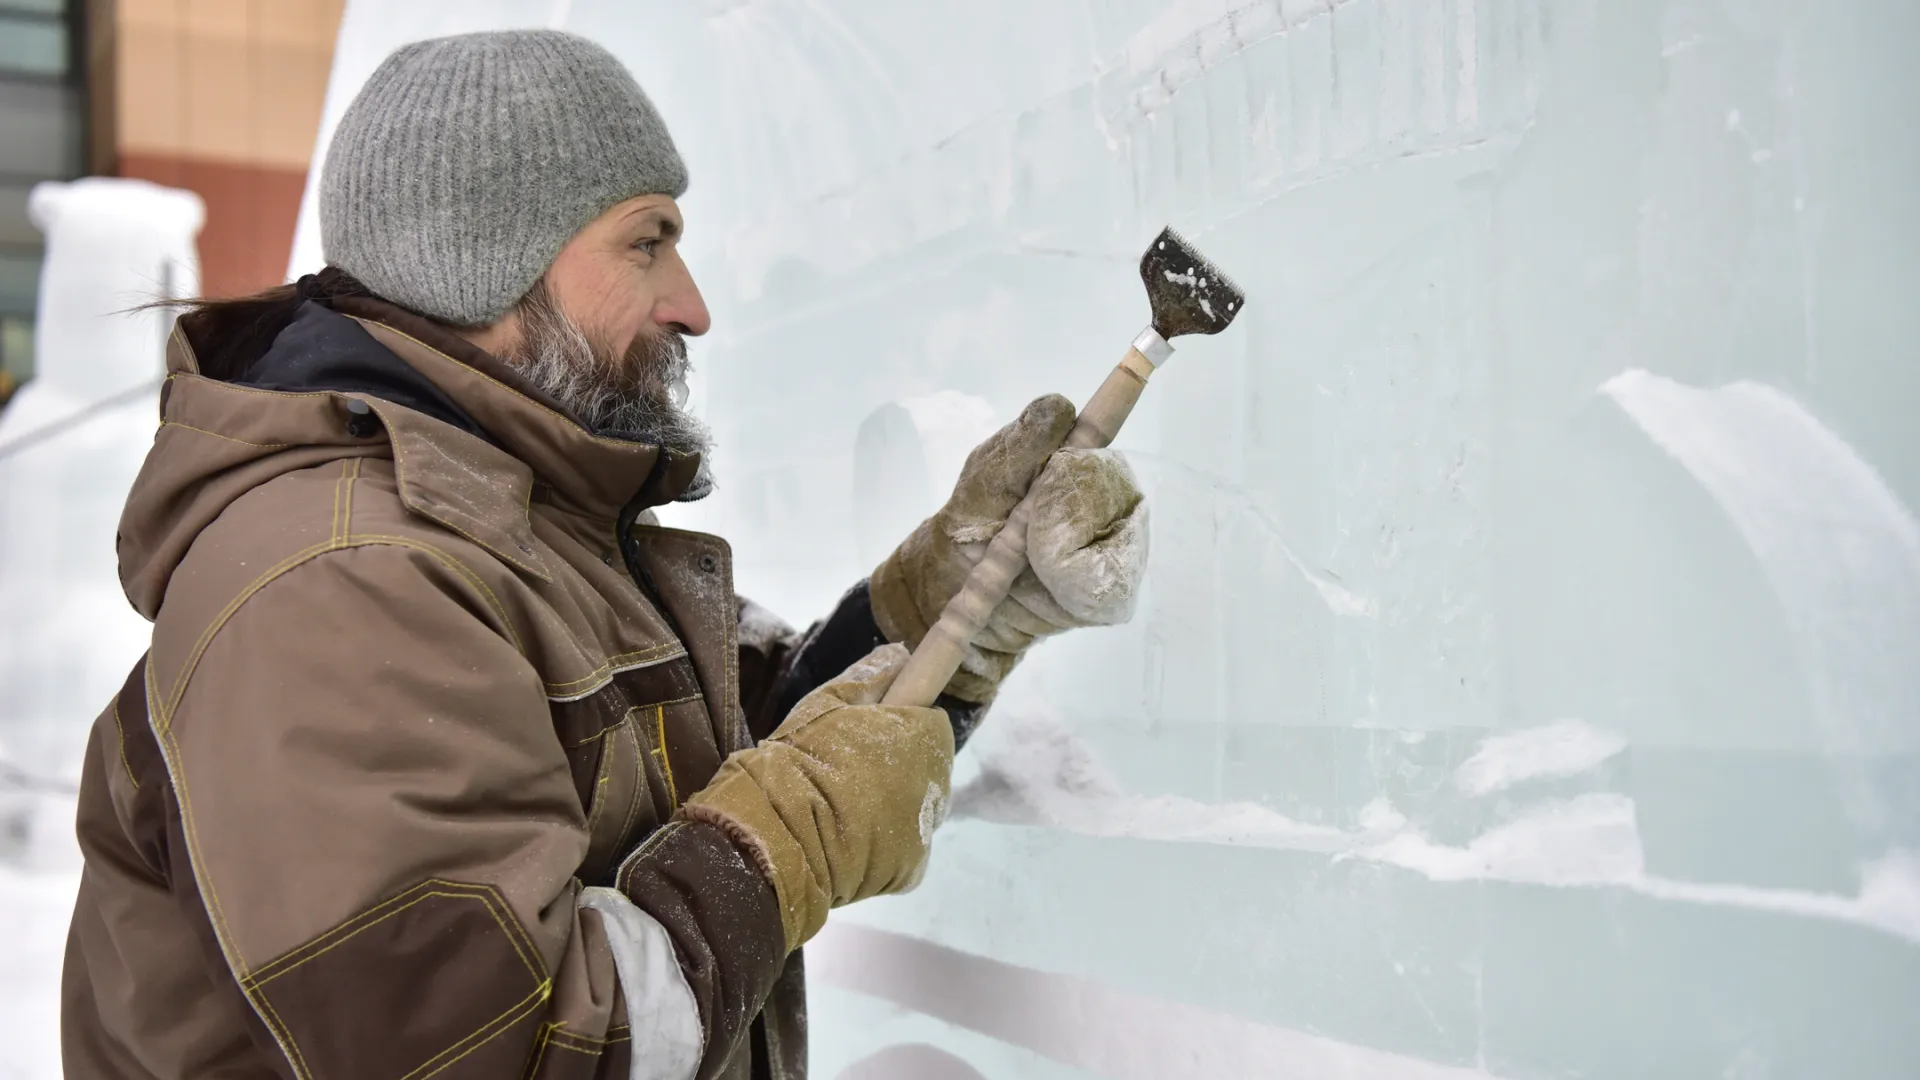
1152, 346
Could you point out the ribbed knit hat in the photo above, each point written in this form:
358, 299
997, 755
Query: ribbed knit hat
466, 163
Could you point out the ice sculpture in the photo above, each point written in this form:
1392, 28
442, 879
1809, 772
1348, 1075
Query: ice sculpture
1494, 711
71, 442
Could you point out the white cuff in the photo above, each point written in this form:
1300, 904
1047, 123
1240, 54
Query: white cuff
667, 1037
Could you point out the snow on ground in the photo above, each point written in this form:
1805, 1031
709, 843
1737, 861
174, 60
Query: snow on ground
39, 872
34, 906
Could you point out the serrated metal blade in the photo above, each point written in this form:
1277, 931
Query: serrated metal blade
1188, 293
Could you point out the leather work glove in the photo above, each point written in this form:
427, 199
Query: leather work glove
1086, 546
841, 801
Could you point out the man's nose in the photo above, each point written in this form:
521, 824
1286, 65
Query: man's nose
680, 306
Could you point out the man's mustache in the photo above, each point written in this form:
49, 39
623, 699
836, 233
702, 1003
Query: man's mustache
654, 361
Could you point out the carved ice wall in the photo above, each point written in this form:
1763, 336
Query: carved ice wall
1527, 685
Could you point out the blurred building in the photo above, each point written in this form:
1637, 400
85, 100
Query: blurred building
221, 97
42, 137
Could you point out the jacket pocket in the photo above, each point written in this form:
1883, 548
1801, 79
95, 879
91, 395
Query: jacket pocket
617, 803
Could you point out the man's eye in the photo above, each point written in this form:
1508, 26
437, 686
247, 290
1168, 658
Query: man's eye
646, 246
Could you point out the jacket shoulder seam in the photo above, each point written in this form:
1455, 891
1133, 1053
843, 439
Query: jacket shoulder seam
163, 716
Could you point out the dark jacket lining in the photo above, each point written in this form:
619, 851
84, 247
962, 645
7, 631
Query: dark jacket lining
322, 350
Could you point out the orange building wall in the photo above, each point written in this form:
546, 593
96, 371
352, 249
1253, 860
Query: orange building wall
223, 97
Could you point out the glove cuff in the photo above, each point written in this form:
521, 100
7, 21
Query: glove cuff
736, 804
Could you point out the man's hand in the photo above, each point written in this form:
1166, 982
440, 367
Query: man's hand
840, 803
1086, 545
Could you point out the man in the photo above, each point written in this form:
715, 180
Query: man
447, 759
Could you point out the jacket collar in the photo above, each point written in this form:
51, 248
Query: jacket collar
474, 470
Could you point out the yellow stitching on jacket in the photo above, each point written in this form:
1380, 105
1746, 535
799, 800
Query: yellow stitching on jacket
228, 438
666, 767
614, 665
597, 798
615, 726
170, 755
122, 734
594, 1046
340, 487
165, 712
539, 1052
488, 896
593, 738
552, 1030
160, 716
481, 1036
353, 476
160, 719
172, 701
347, 931
333, 519
355, 925
640, 793
283, 1032
640, 851
458, 567
296, 559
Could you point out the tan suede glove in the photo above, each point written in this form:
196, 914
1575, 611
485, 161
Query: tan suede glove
841, 801
1086, 544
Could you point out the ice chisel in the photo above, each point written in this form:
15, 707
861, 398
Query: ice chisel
1188, 295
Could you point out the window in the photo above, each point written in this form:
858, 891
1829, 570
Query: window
41, 106
35, 39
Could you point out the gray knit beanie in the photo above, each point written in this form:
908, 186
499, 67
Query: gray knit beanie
466, 163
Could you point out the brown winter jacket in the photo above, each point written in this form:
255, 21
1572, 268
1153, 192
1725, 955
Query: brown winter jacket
422, 671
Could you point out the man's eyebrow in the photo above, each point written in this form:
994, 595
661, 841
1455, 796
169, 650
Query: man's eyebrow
669, 228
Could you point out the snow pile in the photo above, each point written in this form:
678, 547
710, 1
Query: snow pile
1039, 773
1890, 893
1589, 840
1563, 748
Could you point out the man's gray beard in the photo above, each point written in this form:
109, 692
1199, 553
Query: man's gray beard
626, 397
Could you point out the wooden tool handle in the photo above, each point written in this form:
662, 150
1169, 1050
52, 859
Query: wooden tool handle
938, 657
